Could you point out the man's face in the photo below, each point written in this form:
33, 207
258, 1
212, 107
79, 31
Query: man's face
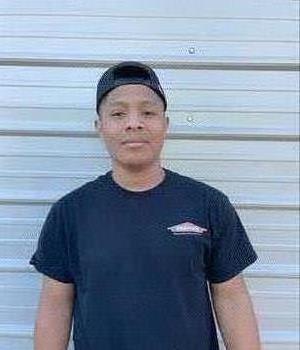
133, 113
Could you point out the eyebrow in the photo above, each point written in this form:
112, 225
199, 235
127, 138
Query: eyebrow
123, 103
116, 103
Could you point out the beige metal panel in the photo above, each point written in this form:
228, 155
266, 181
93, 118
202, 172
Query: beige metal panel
281, 217
173, 149
29, 209
278, 321
272, 254
283, 235
202, 169
275, 245
187, 100
265, 301
239, 188
243, 189
286, 345
150, 28
179, 53
12, 338
25, 297
191, 100
20, 279
271, 9
201, 102
227, 91
206, 123
86, 78
17, 279
273, 303
272, 189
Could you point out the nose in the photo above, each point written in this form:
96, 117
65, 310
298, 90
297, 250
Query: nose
134, 120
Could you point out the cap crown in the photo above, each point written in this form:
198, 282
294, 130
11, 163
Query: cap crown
128, 72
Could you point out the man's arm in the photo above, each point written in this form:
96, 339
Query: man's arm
235, 314
54, 317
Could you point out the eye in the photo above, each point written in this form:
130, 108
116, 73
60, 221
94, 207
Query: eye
118, 114
149, 113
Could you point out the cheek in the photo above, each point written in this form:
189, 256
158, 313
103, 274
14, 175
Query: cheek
110, 142
156, 145
159, 137
110, 133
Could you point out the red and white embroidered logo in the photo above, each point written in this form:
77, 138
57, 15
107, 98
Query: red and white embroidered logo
187, 228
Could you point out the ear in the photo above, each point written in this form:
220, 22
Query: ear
98, 125
167, 121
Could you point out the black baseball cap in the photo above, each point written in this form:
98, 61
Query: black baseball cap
128, 72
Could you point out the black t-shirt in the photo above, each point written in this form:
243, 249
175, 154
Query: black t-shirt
141, 261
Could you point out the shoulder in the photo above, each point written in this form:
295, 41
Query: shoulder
82, 194
198, 187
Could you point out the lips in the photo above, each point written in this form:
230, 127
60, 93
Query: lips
134, 141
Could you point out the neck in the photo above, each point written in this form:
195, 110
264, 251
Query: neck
138, 178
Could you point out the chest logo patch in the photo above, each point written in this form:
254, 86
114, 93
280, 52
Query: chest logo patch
187, 228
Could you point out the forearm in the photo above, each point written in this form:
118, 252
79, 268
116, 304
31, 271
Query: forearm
237, 322
52, 330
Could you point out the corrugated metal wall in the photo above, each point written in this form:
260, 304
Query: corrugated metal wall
230, 73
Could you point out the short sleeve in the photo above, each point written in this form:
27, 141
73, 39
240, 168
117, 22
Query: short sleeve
231, 249
51, 256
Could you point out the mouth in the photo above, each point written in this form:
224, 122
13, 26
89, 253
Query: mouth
134, 143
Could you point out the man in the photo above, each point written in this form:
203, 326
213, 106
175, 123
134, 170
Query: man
134, 255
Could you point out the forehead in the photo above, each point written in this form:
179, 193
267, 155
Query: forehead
135, 93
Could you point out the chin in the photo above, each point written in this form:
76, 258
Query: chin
131, 162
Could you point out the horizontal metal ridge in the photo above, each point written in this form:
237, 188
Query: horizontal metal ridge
292, 65
267, 337
44, 198
257, 270
203, 134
